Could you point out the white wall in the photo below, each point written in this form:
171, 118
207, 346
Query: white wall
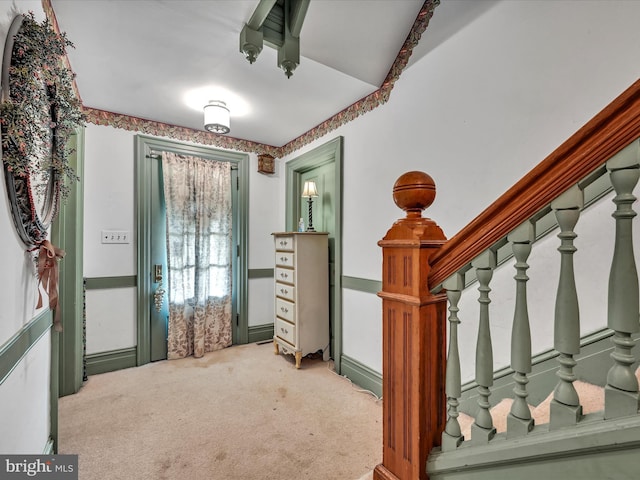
24, 395
477, 113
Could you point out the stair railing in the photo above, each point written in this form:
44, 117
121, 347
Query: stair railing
422, 273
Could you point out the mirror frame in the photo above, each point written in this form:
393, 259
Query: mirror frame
32, 224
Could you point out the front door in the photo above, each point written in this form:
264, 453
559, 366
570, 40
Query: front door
159, 316
159, 313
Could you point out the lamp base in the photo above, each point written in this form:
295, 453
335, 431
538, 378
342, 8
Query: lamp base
310, 224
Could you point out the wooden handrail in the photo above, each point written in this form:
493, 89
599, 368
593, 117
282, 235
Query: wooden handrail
598, 140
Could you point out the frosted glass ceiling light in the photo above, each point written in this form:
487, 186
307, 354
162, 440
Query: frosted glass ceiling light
217, 117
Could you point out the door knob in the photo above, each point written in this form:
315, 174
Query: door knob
157, 273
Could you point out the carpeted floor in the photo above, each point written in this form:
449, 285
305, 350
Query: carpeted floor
241, 413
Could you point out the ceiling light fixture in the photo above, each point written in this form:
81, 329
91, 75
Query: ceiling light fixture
217, 117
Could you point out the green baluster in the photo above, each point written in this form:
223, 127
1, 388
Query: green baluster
565, 407
482, 431
621, 391
452, 436
519, 421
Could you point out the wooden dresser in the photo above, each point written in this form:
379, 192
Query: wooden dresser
301, 321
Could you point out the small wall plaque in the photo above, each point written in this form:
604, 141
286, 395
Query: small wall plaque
266, 164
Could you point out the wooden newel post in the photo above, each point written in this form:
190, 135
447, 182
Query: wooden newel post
413, 336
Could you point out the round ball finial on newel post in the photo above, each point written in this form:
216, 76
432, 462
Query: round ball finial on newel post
413, 192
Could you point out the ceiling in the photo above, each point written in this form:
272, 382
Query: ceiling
142, 58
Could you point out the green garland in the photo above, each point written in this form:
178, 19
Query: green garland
40, 84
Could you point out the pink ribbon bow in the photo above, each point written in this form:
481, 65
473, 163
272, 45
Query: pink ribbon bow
48, 257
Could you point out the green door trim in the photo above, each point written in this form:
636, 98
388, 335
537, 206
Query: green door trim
144, 146
67, 233
330, 152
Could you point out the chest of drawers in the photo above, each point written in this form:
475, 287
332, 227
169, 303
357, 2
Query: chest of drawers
301, 288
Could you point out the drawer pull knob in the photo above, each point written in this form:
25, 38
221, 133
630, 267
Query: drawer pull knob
284, 291
285, 310
284, 275
283, 259
284, 330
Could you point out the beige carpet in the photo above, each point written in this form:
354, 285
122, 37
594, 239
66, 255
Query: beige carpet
240, 413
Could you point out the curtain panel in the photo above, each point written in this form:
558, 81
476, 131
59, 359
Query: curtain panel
199, 248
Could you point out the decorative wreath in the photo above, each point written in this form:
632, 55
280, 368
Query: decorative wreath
41, 110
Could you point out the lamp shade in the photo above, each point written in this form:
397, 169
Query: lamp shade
309, 189
216, 117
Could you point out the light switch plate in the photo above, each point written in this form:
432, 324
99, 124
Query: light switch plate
115, 236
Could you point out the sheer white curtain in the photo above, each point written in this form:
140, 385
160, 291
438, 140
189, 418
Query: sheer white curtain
197, 194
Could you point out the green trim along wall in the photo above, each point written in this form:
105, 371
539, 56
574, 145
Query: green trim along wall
261, 333
362, 284
111, 361
260, 273
361, 375
14, 349
99, 283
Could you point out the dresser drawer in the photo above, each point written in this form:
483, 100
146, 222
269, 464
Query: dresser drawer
284, 259
286, 331
284, 243
285, 275
285, 291
286, 310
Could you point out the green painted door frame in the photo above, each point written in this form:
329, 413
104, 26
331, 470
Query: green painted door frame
144, 146
328, 154
67, 233
67, 347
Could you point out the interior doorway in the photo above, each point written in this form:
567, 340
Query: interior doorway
152, 321
323, 165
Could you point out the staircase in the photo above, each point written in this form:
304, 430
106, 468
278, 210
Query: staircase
580, 430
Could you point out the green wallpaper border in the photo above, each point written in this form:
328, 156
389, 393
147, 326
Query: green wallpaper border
99, 283
14, 349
